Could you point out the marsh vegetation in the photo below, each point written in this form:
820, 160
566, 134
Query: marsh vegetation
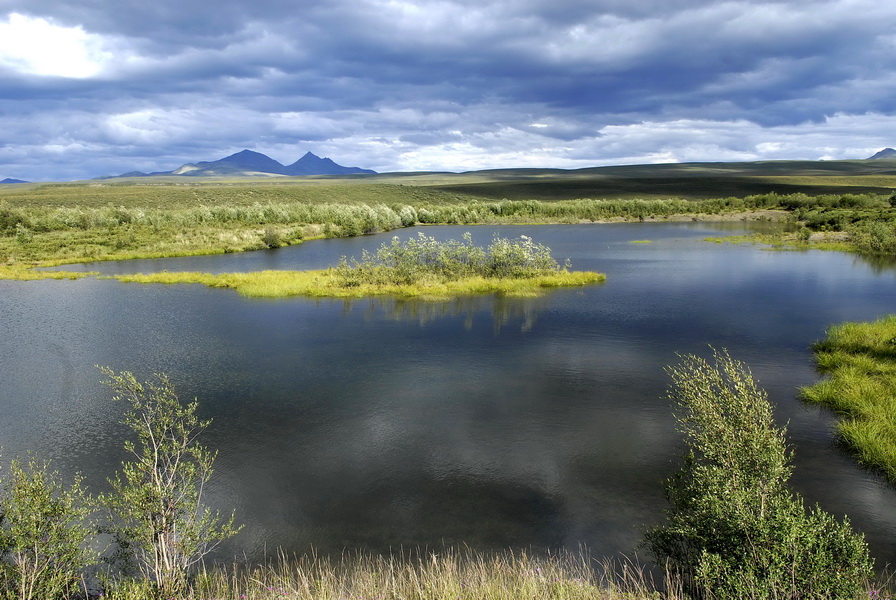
859, 361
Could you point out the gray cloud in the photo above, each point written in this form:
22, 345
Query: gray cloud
448, 85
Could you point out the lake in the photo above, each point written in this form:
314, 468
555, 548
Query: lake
497, 423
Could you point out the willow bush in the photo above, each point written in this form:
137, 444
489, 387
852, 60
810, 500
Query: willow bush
45, 530
424, 257
157, 515
735, 529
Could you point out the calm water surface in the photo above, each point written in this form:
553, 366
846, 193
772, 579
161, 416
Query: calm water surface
497, 423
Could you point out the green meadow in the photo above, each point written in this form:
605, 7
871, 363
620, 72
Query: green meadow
847, 202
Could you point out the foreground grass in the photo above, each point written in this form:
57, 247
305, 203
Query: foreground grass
327, 284
449, 575
860, 361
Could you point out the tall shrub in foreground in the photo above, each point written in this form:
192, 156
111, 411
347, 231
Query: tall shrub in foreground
156, 508
44, 533
735, 529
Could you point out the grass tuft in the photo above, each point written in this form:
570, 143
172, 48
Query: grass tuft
860, 361
450, 574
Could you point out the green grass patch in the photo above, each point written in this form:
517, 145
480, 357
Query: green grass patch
641, 242
328, 284
860, 361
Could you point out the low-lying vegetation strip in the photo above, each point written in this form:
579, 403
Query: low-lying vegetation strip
327, 284
419, 268
859, 360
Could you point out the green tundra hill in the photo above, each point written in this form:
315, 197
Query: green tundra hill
689, 181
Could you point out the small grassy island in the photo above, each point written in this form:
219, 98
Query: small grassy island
422, 268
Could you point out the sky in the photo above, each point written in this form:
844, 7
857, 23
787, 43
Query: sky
91, 87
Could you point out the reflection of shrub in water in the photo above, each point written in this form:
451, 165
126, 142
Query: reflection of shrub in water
503, 310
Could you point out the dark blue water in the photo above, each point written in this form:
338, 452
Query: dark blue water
491, 422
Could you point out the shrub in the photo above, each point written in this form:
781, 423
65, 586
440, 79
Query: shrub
23, 234
735, 529
271, 238
156, 510
44, 530
874, 237
425, 257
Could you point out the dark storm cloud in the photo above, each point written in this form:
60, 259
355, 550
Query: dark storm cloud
395, 85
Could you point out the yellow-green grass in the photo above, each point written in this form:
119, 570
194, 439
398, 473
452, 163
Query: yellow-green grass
22, 273
641, 242
448, 575
785, 241
860, 361
326, 284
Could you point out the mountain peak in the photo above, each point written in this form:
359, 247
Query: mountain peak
248, 163
249, 159
885, 153
311, 164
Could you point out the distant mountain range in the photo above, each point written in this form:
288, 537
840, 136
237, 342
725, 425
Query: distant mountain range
10, 180
248, 163
885, 153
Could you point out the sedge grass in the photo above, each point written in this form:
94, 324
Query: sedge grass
327, 284
860, 361
449, 574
